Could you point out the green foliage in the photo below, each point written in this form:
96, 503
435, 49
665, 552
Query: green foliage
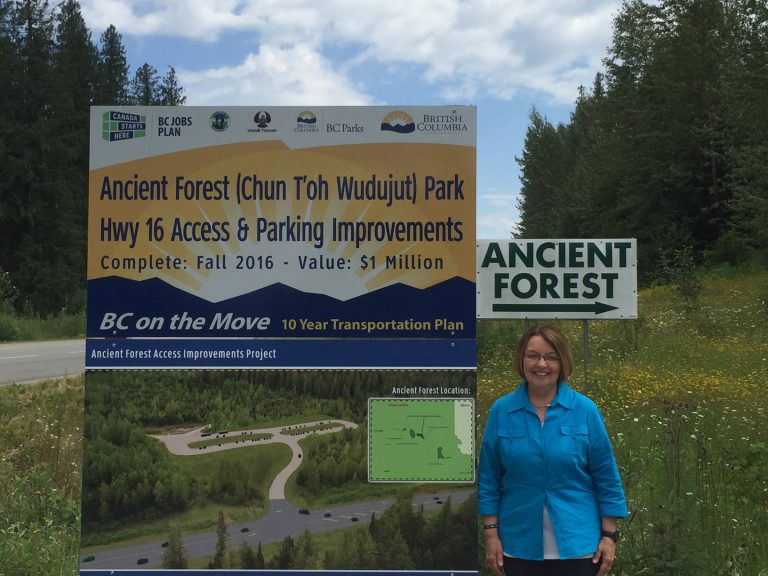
171, 92
283, 560
732, 249
175, 556
680, 268
8, 292
51, 73
40, 443
250, 559
682, 396
219, 559
112, 70
14, 326
669, 145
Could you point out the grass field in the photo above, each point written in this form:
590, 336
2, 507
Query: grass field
40, 464
15, 327
681, 389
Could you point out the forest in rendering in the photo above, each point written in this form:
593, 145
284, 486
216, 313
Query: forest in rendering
133, 487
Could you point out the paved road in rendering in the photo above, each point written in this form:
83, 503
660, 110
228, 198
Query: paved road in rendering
283, 520
40, 360
289, 435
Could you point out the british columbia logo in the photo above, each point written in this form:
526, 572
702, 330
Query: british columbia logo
402, 123
219, 121
398, 121
306, 121
122, 126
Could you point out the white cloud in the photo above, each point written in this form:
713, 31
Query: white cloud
494, 47
276, 76
497, 214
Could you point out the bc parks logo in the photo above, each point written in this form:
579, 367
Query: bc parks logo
219, 121
402, 123
122, 126
262, 119
306, 122
344, 128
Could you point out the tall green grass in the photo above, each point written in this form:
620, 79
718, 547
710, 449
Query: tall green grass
682, 390
15, 327
40, 464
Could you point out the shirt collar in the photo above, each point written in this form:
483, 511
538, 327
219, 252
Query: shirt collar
564, 396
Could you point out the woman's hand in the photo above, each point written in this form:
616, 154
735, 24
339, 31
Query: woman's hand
606, 551
494, 554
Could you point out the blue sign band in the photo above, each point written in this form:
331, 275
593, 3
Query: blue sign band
116, 354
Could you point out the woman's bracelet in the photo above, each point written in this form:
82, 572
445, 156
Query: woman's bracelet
490, 526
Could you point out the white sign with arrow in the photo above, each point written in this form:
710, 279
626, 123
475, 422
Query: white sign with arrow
575, 279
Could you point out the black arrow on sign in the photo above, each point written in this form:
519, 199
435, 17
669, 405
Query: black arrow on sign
594, 308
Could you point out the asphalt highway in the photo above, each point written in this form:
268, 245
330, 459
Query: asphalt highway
283, 519
22, 362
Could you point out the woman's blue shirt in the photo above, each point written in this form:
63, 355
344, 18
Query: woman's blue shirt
567, 464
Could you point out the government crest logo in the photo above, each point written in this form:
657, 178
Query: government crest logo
219, 121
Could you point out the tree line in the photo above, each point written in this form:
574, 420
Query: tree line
51, 72
402, 539
669, 144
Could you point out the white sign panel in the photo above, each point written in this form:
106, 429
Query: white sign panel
572, 279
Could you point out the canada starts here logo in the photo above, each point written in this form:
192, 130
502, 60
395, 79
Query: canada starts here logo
122, 126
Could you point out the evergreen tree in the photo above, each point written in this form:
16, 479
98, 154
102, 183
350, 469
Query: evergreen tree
171, 92
10, 73
543, 165
745, 87
392, 552
259, 564
284, 558
74, 77
669, 146
304, 556
112, 79
219, 559
145, 87
247, 556
175, 556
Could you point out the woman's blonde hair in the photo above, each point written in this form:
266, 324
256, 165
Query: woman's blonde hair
553, 336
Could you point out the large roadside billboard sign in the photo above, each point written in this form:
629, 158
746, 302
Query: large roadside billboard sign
281, 237
562, 278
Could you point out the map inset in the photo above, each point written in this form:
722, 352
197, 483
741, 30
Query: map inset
421, 440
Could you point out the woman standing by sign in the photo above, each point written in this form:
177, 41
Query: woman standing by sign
549, 490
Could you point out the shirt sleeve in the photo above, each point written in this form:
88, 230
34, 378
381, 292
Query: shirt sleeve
490, 469
603, 469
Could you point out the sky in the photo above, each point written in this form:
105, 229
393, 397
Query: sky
503, 56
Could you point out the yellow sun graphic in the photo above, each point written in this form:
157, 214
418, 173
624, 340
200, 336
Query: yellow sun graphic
397, 117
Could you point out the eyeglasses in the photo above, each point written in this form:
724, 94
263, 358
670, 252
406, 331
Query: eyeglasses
548, 358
